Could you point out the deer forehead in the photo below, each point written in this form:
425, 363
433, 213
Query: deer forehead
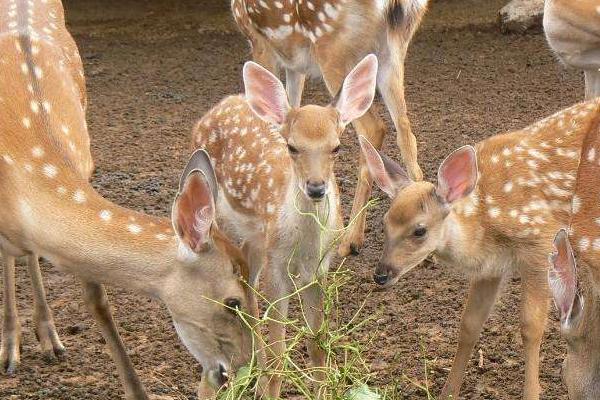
314, 124
415, 200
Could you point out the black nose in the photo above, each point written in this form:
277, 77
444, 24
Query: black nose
223, 376
380, 279
315, 190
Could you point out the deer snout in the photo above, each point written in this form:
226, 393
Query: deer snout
316, 190
385, 275
219, 376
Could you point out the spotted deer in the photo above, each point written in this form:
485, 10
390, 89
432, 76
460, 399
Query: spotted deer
495, 208
50, 209
573, 32
574, 276
274, 164
328, 37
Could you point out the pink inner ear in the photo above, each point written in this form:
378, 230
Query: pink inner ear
265, 94
358, 90
458, 174
386, 173
562, 275
194, 212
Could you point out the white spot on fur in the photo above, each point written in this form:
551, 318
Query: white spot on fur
584, 243
26, 122
591, 155
576, 205
79, 196
37, 152
35, 107
494, 212
105, 215
508, 186
50, 170
134, 228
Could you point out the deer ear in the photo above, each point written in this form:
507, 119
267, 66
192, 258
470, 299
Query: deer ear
562, 279
387, 174
194, 212
457, 176
265, 94
200, 161
358, 90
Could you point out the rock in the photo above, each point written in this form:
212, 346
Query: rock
520, 16
77, 328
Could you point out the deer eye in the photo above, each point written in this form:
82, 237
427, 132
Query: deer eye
420, 231
233, 304
292, 149
336, 149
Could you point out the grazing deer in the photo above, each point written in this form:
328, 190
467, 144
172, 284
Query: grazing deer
573, 31
580, 312
50, 209
495, 208
274, 164
328, 37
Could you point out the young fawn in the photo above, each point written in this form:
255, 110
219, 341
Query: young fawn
50, 209
573, 32
274, 164
328, 37
495, 208
580, 312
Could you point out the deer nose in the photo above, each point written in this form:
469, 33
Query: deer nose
316, 190
222, 377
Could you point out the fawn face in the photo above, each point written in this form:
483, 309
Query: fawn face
312, 132
206, 289
416, 223
580, 323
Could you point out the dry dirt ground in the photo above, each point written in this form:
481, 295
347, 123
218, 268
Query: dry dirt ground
155, 66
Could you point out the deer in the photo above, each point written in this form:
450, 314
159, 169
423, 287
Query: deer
50, 210
494, 209
572, 30
327, 38
278, 195
574, 276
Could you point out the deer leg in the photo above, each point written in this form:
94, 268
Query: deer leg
45, 330
481, 298
592, 83
265, 56
390, 82
275, 291
534, 313
312, 299
97, 302
11, 327
294, 85
372, 127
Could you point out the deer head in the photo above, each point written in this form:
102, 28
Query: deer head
206, 287
417, 222
579, 322
312, 132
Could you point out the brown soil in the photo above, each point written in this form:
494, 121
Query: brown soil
154, 66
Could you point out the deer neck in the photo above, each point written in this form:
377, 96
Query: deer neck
80, 231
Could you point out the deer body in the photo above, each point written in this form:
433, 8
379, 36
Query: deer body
328, 38
49, 208
495, 209
574, 276
274, 165
573, 32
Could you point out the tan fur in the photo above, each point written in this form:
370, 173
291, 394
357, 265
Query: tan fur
49, 208
320, 37
523, 196
582, 329
261, 198
573, 32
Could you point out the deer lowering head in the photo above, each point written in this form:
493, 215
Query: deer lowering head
206, 289
414, 224
312, 132
574, 277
